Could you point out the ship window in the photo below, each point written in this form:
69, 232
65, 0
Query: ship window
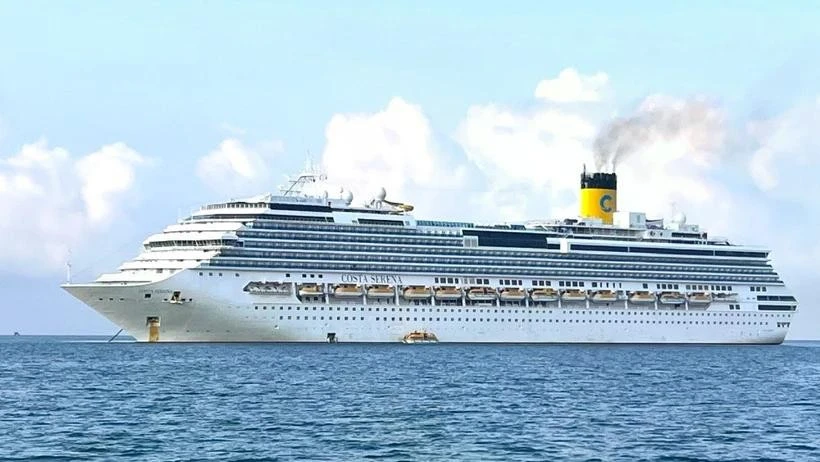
147, 295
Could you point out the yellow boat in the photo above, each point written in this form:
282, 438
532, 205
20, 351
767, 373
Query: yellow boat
420, 337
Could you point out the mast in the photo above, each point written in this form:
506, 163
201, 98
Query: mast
68, 268
311, 174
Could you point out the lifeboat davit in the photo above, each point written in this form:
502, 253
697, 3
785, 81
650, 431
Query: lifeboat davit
416, 293
641, 297
267, 288
380, 291
479, 294
448, 293
310, 290
347, 290
544, 295
672, 298
700, 298
512, 295
604, 296
574, 295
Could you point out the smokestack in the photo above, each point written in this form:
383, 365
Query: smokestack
599, 195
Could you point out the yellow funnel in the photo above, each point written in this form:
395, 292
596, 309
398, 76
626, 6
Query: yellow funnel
599, 195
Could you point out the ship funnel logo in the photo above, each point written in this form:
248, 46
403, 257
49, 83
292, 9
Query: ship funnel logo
606, 203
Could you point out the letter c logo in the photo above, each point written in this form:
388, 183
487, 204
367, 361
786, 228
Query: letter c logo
605, 203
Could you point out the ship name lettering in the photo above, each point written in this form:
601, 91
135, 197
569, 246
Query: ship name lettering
371, 278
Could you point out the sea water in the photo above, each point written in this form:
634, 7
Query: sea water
73, 399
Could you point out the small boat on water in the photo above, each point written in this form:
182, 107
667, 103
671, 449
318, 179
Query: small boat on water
544, 295
420, 337
416, 293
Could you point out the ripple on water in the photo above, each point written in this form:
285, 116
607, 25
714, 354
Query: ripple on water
69, 401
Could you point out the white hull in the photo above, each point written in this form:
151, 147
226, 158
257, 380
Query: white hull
222, 312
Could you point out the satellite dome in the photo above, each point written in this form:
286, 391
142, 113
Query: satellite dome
347, 196
679, 218
381, 194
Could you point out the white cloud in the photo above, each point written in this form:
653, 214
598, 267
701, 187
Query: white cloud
787, 147
235, 168
51, 202
570, 87
543, 148
394, 148
783, 167
106, 174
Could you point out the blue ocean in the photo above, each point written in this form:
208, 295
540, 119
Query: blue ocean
71, 398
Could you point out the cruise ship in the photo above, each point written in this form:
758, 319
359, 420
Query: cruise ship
296, 267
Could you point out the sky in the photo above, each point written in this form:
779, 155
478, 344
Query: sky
118, 118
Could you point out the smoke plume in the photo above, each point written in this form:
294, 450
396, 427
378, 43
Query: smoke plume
659, 119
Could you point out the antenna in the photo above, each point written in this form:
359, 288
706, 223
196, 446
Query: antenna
68, 268
308, 161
